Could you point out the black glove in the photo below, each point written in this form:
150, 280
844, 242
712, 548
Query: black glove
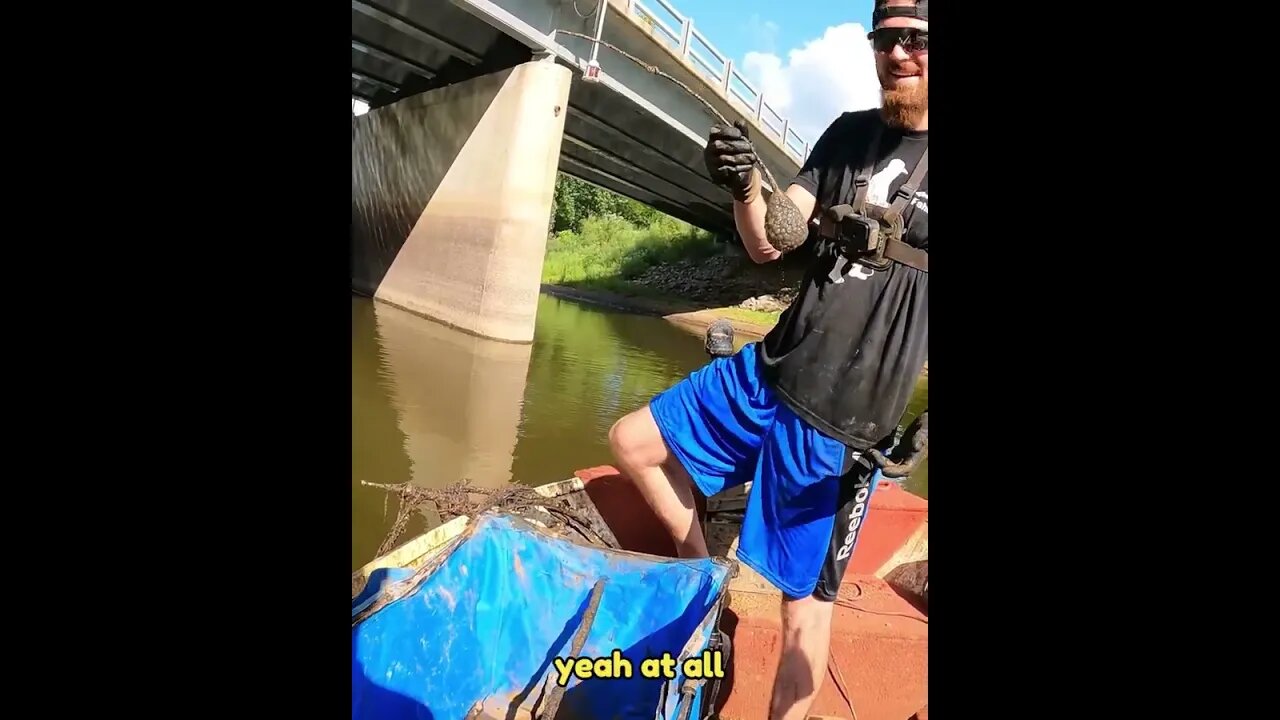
908, 453
730, 157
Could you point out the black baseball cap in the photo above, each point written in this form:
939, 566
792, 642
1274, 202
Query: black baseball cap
918, 10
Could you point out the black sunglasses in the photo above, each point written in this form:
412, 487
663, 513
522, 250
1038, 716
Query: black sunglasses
912, 40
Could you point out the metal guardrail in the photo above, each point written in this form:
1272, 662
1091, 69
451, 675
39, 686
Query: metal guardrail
690, 44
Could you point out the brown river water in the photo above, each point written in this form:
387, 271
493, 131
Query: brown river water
431, 405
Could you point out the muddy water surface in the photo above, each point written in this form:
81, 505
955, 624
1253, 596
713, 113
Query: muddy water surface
431, 405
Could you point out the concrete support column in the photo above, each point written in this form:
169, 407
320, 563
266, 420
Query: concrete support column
451, 194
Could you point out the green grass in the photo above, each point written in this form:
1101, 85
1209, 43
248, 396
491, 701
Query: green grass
758, 317
609, 250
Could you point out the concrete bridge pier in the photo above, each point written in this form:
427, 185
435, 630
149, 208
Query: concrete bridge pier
451, 194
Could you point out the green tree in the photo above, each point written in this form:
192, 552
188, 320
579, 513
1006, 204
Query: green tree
576, 200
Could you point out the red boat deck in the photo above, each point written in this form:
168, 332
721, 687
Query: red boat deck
879, 640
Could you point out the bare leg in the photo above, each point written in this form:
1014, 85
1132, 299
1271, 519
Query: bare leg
806, 638
640, 453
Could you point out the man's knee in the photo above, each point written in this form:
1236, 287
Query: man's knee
635, 440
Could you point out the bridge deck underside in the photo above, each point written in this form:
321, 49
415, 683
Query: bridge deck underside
402, 47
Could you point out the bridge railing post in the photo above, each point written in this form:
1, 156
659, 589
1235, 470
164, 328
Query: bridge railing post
685, 37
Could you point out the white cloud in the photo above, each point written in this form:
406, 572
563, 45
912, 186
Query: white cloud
763, 32
827, 76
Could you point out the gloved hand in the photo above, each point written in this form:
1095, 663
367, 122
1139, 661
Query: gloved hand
730, 160
908, 453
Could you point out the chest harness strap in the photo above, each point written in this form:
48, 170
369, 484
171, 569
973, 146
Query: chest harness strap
874, 236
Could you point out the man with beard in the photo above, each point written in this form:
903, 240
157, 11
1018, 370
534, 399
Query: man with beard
809, 413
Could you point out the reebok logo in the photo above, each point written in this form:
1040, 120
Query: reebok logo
855, 518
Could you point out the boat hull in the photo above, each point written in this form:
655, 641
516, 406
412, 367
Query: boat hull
880, 632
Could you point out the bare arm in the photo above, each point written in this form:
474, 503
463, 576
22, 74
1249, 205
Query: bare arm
748, 216
731, 162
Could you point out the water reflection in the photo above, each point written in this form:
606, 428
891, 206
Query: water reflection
590, 367
918, 482
430, 405
433, 405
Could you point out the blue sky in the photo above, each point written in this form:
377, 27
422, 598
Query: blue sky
810, 58
737, 27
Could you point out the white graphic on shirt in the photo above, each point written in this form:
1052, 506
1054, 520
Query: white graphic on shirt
878, 194
857, 271
878, 188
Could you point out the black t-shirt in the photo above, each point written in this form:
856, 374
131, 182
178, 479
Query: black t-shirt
845, 356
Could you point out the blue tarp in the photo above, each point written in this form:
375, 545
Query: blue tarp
486, 625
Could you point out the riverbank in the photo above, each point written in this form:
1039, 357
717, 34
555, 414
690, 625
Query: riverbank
685, 314
610, 251
686, 277
665, 267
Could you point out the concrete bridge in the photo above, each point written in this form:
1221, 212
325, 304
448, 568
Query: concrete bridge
474, 106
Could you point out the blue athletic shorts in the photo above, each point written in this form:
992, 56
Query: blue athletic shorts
809, 493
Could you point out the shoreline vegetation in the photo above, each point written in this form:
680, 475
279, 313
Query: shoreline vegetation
686, 315
609, 250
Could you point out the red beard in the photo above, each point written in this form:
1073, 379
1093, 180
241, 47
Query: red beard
905, 106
